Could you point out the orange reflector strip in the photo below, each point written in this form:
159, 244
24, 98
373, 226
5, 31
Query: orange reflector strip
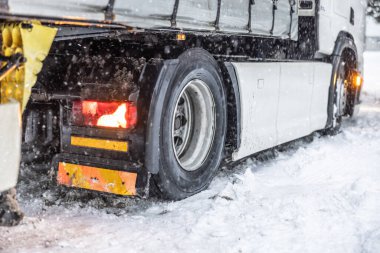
97, 179
121, 146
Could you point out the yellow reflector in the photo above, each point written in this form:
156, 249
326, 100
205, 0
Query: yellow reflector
121, 146
97, 179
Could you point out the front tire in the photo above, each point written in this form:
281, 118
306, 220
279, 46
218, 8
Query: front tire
343, 101
193, 127
341, 95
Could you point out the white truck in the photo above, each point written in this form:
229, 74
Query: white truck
140, 94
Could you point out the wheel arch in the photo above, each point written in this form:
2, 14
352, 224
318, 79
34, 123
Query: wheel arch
345, 44
233, 138
344, 47
156, 105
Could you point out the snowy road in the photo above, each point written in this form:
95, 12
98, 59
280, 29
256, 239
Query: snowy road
322, 196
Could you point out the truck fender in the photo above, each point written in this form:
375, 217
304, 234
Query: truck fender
343, 42
153, 125
233, 107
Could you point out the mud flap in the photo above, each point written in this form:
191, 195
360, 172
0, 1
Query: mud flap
152, 147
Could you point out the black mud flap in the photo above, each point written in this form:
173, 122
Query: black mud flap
153, 125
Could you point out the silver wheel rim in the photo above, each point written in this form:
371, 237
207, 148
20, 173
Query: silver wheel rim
342, 93
193, 125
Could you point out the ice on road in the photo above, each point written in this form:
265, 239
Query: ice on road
322, 196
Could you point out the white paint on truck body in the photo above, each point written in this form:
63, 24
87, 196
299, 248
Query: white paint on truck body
334, 17
259, 85
280, 102
10, 145
191, 14
68, 9
296, 87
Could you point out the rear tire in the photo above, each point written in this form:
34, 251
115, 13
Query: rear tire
193, 127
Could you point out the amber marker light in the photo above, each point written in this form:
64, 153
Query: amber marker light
181, 36
357, 79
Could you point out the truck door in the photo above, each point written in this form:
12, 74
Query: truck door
358, 20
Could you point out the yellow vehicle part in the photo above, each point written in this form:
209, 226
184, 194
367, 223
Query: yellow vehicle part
97, 179
33, 41
121, 146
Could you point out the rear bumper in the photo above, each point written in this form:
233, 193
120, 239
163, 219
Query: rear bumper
100, 174
101, 159
105, 149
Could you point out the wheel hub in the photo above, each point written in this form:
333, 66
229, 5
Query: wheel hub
193, 125
342, 92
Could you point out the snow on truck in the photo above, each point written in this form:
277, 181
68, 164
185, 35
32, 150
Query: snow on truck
124, 96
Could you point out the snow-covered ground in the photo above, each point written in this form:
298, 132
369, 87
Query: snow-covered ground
322, 196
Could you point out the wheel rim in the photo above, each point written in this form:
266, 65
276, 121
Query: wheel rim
342, 91
193, 125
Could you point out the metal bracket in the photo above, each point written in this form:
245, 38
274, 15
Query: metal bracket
108, 11
13, 62
173, 20
218, 15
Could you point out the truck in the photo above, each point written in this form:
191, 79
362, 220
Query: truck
133, 97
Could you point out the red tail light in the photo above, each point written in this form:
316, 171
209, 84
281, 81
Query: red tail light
104, 114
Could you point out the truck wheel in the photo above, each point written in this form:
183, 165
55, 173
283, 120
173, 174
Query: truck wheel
193, 127
341, 95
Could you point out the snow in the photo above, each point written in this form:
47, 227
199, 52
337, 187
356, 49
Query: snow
319, 196
373, 28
